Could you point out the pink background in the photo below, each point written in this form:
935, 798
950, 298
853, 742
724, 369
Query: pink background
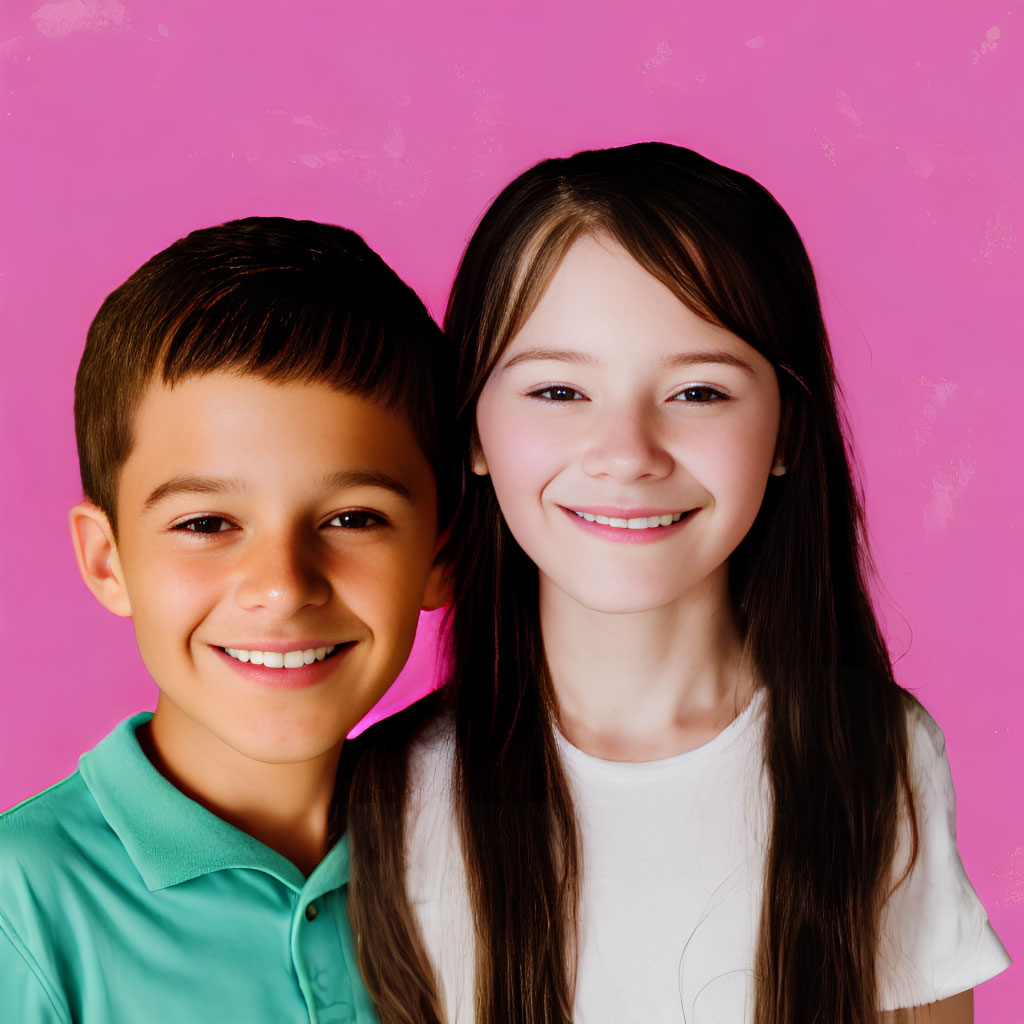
889, 130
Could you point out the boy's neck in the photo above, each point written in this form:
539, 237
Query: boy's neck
284, 806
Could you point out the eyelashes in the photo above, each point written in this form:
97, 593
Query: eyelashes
692, 394
700, 394
557, 393
358, 519
203, 525
355, 519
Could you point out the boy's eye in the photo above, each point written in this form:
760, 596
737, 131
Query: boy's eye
699, 393
557, 393
204, 524
357, 519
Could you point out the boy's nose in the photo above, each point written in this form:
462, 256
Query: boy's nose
626, 446
282, 574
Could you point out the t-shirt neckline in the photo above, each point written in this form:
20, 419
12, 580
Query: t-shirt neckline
686, 759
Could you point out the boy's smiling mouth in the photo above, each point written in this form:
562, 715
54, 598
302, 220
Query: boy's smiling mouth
282, 659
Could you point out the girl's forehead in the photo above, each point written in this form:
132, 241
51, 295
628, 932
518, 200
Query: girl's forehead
601, 305
595, 280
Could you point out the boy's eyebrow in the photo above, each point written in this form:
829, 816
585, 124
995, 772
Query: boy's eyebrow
339, 481
192, 485
346, 478
669, 362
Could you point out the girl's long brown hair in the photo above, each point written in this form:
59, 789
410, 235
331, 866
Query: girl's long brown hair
835, 743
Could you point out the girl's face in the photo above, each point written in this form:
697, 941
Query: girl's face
629, 441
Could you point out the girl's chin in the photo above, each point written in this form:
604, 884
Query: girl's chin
624, 598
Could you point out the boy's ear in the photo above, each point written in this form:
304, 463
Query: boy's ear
96, 553
439, 582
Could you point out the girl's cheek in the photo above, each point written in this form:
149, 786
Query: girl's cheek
529, 453
510, 436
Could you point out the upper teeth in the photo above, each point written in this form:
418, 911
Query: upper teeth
281, 659
639, 523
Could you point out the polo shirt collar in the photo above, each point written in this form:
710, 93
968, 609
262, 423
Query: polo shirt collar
172, 839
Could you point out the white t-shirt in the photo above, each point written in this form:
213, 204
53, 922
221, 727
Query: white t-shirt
673, 860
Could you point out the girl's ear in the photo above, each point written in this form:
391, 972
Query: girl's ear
96, 554
787, 443
477, 462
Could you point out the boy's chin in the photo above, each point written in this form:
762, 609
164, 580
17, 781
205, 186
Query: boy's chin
275, 746
184, 744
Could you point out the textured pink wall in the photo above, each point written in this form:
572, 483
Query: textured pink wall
890, 131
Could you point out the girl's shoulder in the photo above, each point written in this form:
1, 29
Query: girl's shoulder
931, 778
936, 939
930, 775
925, 737
432, 760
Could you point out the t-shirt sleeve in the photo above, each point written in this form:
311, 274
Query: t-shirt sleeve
936, 938
25, 995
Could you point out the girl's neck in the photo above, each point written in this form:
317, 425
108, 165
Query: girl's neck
645, 685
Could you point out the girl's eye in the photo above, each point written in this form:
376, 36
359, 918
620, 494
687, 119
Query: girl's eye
204, 524
358, 519
700, 394
557, 393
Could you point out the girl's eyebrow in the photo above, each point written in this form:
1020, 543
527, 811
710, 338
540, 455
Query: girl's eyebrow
557, 355
669, 362
717, 356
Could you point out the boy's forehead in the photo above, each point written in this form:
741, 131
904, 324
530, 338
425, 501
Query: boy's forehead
220, 393
235, 428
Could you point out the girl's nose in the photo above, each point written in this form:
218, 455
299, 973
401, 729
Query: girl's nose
625, 446
282, 575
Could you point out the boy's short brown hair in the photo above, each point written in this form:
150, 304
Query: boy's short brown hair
279, 299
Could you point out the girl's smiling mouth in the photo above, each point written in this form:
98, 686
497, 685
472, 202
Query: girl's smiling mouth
632, 526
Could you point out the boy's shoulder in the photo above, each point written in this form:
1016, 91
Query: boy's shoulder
65, 846
50, 845
57, 818
46, 824
115, 886
53, 847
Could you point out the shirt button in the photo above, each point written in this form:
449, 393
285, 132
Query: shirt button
311, 912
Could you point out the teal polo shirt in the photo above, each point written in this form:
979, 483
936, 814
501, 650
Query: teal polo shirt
123, 900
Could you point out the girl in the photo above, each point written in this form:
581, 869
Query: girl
673, 778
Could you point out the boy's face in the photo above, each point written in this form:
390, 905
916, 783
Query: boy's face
267, 519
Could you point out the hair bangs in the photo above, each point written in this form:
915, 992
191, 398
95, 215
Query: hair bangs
275, 298
312, 338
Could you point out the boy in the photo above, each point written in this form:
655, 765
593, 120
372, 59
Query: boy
261, 444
